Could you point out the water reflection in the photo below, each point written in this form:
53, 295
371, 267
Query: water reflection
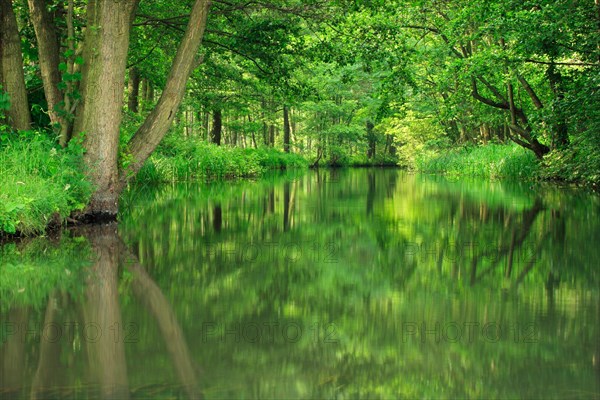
331, 284
80, 344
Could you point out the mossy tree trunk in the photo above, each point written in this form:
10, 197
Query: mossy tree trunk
106, 43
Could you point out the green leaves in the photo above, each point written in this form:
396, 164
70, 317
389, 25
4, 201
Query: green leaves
4, 102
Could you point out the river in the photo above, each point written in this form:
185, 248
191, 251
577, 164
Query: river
357, 283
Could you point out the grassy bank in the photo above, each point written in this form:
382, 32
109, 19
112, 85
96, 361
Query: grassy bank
580, 164
40, 183
183, 160
493, 161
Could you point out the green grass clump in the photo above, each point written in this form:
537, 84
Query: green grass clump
185, 160
39, 182
492, 161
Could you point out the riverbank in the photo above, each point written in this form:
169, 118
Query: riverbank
577, 166
493, 161
183, 160
41, 184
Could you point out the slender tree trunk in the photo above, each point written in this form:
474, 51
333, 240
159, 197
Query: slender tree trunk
49, 57
134, 90
265, 126
48, 370
272, 135
70, 104
391, 146
286, 206
205, 124
286, 129
11, 68
217, 218
217, 128
253, 136
371, 140
142, 94
148, 292
103, 80
147, 94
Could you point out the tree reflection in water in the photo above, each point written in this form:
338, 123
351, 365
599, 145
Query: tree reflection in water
91, 328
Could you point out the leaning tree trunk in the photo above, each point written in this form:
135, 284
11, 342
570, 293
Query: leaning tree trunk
103, 78
154, 128
48, 50
11, 68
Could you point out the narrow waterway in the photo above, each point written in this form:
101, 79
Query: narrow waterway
321, 284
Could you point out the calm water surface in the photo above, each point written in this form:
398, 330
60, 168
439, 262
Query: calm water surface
325, 284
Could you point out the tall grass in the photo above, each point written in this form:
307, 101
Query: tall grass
40, 183
183, 160
493, 161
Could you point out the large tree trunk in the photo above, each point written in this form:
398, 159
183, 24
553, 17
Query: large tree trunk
48, 51
11, 68
99, 116
102, 312
154, 128
13, 352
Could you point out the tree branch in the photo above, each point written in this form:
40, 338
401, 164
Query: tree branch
534, 98
485, 100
